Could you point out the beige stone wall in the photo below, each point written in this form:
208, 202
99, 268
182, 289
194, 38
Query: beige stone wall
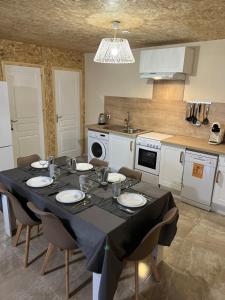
48, 58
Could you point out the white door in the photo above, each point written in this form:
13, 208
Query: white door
25, 97
219, 186
171, 167
67, 95
121, 151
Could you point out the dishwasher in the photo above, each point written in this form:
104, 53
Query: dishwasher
198, 178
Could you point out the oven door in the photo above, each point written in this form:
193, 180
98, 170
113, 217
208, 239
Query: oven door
147, 159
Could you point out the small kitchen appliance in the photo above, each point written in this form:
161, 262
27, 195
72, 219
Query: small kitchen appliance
216, 134
101, 119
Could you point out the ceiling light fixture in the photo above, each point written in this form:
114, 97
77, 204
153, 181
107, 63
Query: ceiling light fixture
114, 50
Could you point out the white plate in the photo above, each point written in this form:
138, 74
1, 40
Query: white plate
132, 200
39, 181
84, 166
70, 196
38, 165
115, 177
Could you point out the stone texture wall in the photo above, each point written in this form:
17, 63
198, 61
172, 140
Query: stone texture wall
11, 51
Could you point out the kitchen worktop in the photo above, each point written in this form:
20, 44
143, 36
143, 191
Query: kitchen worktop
195, 144
102, 128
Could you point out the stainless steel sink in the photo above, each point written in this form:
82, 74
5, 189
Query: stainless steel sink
120, 128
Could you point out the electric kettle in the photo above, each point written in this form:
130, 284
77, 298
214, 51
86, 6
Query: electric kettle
101, 119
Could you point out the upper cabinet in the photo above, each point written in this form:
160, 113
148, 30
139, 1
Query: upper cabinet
166, 63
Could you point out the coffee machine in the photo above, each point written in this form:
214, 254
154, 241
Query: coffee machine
216, 134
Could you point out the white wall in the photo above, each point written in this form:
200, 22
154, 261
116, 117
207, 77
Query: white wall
123, 80
111, 80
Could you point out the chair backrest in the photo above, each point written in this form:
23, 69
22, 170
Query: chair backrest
150, 241
53, 229
130, 173
27, 160
98, 162
19, 212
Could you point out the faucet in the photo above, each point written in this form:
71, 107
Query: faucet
127, 122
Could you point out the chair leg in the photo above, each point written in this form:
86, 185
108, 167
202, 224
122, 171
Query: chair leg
67, 255
48, 254
155, 271
27, 245
136, 280
18, 232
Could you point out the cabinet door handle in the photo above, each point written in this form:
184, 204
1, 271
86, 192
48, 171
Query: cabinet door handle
181, 157
218, 176
58, 117
131, 146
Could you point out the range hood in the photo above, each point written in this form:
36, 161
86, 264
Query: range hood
167, 63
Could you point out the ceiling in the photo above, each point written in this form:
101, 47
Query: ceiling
80, 24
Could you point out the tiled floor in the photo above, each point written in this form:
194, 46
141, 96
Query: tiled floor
193, 267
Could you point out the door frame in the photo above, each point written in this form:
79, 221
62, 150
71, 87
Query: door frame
41, 67
82, 103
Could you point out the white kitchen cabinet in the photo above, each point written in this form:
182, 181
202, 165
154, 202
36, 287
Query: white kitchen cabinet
121, 151
171, 166
218, 200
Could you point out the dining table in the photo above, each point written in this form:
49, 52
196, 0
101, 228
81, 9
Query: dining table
105, 231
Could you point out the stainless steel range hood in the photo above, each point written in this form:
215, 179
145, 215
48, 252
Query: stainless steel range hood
167, 63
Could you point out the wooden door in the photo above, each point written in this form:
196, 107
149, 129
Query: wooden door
67, 96
25, 97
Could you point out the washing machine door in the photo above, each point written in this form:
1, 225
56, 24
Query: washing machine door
97, 150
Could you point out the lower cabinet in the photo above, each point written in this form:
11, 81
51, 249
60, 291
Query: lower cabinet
218, 199
171, 167
121, 151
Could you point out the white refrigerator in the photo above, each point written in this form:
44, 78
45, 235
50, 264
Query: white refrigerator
6, 148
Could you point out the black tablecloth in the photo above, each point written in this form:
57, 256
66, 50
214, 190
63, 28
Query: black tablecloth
104, 236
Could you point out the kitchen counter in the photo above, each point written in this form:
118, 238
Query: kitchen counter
195, 144
101, 128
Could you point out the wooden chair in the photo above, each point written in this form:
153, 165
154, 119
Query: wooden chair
98, 162
24, 219
27, 160
147, 245
57, 236
130, 173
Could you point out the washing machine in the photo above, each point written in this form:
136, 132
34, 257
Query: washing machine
98, 145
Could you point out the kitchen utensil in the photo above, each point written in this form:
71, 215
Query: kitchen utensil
203, 113
115, 177
216, 134
195, 112
102, 119
131, 200
41, 164
189, 118
39, 181
127, 210
70, 196
116, 189
206, 120
198, 123
84, 167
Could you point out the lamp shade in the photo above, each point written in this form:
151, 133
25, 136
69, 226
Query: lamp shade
114, 51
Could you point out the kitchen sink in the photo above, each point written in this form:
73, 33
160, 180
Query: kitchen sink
120, 128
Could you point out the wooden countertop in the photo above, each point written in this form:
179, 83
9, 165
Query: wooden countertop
195, 144
101, 128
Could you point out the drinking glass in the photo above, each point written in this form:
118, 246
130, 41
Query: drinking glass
116, 189
84, 185
43, 163
56, 176
73, 165
99, 174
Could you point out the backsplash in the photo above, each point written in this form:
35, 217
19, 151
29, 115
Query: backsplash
165, 112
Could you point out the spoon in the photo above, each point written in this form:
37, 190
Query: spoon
198, 123
206, 120
189, 119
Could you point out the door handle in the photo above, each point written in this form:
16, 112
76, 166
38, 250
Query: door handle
218, 176
58, 117
181, 157
131, 146
14, 121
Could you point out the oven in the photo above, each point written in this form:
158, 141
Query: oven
147, 158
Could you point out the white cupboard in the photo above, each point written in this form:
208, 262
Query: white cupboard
218, 199
121, 151
171, 166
